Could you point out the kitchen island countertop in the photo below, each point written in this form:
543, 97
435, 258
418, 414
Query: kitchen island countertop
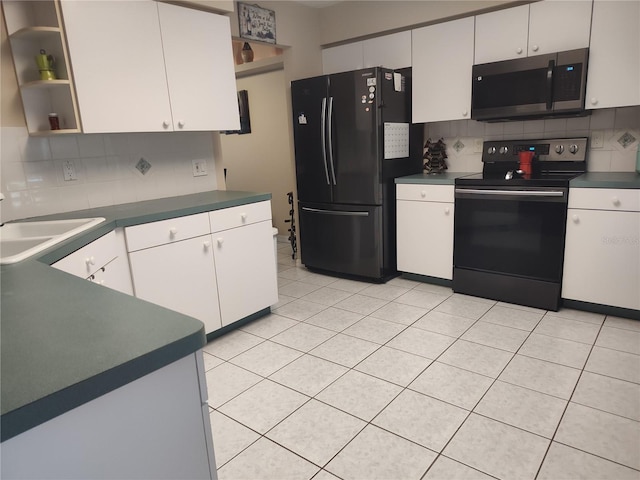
66, 341
607, 180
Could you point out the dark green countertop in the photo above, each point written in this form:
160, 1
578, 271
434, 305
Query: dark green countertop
607, 180
66, 341
446, 178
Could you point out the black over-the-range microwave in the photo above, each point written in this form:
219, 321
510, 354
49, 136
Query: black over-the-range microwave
547, 85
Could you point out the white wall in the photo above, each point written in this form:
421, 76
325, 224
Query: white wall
611, 123
31, 169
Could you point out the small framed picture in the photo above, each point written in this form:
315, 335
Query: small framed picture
257, 23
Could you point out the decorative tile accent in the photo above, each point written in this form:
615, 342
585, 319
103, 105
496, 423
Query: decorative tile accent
458, 146
626, 139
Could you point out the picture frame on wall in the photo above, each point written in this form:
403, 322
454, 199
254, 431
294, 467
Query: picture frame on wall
257, 23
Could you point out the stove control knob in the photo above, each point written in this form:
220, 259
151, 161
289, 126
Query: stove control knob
574, 148
504, 150
491, 150
559, 149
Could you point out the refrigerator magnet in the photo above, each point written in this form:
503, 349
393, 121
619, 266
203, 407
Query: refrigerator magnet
302, 120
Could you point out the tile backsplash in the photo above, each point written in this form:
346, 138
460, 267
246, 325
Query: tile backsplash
31, 173
618, 128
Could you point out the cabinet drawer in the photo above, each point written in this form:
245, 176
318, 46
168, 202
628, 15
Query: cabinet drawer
166, 231
425, 193
605, 199
90, 258
238, 216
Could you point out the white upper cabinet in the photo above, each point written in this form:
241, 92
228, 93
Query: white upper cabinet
389, 51
613, 78
342, 58
118, 52
536, 29
442, 59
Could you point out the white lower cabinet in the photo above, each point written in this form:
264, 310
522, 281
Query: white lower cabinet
602, 248
425, 229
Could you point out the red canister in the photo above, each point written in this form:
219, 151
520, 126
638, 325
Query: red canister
526, 159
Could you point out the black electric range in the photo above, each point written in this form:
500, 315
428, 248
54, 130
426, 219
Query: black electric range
509, 227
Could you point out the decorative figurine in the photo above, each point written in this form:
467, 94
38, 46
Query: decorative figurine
435, 155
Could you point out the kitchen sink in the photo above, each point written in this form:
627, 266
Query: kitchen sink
21, 240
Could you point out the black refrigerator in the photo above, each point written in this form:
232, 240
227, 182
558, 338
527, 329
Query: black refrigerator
353, 137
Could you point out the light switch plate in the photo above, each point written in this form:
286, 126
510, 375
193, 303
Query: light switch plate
69, 171
597, 139
199, 168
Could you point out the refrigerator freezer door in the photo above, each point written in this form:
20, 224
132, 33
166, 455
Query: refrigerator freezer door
354, 130
342, 238
309, 101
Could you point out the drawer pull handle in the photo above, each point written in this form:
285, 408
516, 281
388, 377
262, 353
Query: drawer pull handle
447, 210
173, 232
575, 218
423, 194
90, 261
207, 244
181, 123
615, 201
220, 241
166, 124
518, 50
243, 216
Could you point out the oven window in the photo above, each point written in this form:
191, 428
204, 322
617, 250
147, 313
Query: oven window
515, 237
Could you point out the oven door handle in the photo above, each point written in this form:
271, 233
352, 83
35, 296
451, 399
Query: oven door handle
513, 193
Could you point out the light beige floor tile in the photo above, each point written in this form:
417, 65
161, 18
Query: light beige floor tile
284, 281
266, 460
609, 394
303, 336
497, 336
619, 339
522, 307
574, 330
421, 342
264, 405
334, 319
393, 365
297, 289
266, 358
444, 323
374, 330
229, 437
282, 300
613, 363
623, 323
399, 313
497, 449
510, 316
541, 376
318, 279
384, 291
359, 394
421, 299
294, 273
345, 350
430, 287
403, 282
267, 327
210, 361
566, 462
379, 455
523, 408
477, 358
361, 304
421, 419
445, 468
231, 344
326, 296
351, 286
309, 374
324, 475
464, 306
557, 350
604, 434
453, 385
316, 431
590, 317
299, 309
226, 381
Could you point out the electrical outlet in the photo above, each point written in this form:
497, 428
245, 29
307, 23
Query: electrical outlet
597, 139
69, 171
199, 168
477, 145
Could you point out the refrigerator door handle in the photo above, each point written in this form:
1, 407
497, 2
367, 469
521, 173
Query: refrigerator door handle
336, 212
323, 133
333, 173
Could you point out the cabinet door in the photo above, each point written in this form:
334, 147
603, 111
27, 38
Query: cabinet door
442, 59
246, 270
502, 35
389, 51
558, 25
614, 55
200, 72
425, 238
118, 65
343, 58
602, 258
179, 276
114, 275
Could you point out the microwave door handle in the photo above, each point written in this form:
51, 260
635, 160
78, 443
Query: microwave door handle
550, 68
323, 130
